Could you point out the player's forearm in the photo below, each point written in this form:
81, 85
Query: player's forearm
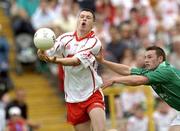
73, 61
118, 68
67, 61
132, 80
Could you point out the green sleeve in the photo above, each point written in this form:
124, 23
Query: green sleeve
158, 76
21, 3
138, 71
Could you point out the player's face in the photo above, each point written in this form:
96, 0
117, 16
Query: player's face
85, 21
152, 60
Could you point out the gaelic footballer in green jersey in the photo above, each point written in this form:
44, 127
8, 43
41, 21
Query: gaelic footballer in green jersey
165, 80
163, 77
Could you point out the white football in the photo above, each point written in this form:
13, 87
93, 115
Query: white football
44, 38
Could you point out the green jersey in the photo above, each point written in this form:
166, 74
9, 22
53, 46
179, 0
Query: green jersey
165, 80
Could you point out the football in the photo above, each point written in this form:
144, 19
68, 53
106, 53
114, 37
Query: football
44, 38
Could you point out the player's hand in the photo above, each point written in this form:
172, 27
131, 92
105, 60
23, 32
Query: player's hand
100, 56
107, 84
42, 56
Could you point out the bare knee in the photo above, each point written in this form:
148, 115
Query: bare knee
98, 119
83, 127
100, 128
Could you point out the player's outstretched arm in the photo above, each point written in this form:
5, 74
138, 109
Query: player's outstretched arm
131, 80
73, 61
118, 68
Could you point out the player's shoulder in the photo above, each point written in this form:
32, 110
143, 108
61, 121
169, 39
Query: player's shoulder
65, 36
164, 67
94, 40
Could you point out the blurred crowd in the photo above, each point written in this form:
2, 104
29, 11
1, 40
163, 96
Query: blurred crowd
125, 28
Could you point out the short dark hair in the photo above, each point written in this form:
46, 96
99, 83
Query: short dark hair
159, 51
91, 11
134, 9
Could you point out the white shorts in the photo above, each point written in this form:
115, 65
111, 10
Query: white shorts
176, 121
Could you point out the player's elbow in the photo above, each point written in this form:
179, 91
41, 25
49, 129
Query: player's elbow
126, 72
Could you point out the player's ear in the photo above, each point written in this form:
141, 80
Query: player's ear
160, 59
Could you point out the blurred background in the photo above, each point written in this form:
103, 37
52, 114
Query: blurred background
31, 91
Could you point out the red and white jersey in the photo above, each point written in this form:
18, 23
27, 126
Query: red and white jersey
80, 81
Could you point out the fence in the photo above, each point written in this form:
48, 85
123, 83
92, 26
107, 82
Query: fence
112, 91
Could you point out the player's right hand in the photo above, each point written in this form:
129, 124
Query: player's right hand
42, 56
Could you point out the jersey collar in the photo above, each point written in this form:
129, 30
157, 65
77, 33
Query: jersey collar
89, 35
165, 63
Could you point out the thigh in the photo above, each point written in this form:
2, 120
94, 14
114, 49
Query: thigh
86, 126
98, 119
76, 114
175, 128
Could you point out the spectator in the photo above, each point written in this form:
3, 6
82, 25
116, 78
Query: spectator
127, 37
43, 15
129, 57
138, 122
102, 30
169, 10
4, 63
115, 48
16, 122
144, 34
21, 19
4, 51
162, 34
54, 5
28, 6
129, 99
66, 21
19, 101
163, 116
119, 15
140, 63
175, 56
75, 8
2, 110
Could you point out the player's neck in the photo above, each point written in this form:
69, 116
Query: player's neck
82, 33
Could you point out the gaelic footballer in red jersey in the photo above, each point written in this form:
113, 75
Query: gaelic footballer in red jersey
82, 85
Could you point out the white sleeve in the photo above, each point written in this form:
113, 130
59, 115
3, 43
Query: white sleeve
57, 49
86, 58
96, 48
87, 55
